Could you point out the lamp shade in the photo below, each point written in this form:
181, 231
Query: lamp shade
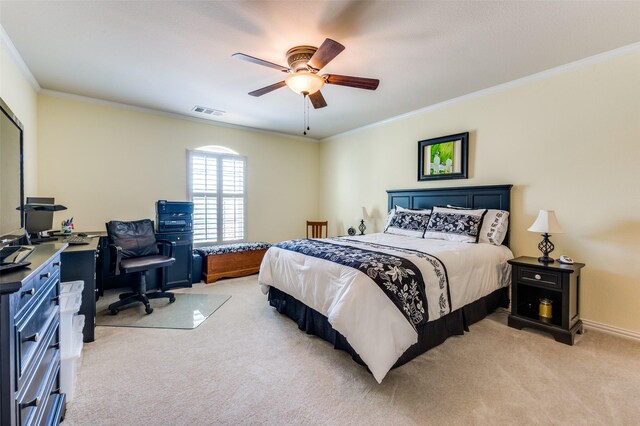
546, 223
362, 213
304, 82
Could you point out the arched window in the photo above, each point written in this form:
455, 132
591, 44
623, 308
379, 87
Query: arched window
217, 187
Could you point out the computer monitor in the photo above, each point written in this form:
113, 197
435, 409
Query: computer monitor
37, 221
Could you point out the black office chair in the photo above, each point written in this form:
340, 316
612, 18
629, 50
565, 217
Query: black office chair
133, 249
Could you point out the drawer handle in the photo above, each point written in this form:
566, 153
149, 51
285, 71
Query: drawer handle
55, 391
33, 403
55, 345
56, 299
537, 276
57, 263
47, 275
33, 338
29, 292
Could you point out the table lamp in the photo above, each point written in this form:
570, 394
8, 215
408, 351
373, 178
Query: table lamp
363, 216
547, 224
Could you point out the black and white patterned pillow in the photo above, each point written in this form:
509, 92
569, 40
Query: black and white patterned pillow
455, 224
412, 223
231, 248
494, 225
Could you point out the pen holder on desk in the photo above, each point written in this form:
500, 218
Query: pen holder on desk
66, 229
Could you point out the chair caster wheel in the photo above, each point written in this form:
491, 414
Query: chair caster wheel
173, 299
114, 311
148, 309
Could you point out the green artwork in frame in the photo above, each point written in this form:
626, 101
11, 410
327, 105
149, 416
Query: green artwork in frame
441, 158
445, 157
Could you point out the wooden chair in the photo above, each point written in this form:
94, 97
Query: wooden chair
316, 229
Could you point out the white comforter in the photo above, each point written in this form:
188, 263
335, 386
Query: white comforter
357, 308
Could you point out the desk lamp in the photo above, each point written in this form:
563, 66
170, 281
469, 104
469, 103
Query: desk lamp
547, 224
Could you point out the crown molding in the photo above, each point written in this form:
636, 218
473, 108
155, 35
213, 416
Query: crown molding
8, 45
595, 59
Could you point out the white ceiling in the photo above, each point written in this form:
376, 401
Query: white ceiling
173, 55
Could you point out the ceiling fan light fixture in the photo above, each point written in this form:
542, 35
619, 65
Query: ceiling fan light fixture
304, 82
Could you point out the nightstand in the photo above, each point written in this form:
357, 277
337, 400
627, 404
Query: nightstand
532, 281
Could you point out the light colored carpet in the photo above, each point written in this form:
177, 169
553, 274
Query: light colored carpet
247, 364
188, 311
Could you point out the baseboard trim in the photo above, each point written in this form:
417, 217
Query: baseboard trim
611, 329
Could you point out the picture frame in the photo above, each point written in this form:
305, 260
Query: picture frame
445, 157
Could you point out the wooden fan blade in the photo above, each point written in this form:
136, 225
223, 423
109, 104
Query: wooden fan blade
317, 100
267, 89
358, 82
328, 50
260, 62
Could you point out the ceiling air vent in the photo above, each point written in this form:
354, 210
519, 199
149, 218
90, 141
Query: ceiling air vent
207, 110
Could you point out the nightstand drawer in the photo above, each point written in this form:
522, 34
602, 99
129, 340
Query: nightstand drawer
536, 276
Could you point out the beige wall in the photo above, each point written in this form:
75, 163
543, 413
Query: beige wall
19, 95
569, 142
105, 163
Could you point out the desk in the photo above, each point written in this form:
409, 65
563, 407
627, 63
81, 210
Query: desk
89, 263
79, 263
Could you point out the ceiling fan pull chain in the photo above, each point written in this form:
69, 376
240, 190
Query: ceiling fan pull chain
304, 113
308, 116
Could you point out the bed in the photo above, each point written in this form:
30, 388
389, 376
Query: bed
386, 298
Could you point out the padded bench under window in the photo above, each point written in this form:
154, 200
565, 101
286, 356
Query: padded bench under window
231, 260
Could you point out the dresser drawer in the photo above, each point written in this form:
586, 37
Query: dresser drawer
27, 293
33, 399
32, 326
54, 408
543, 279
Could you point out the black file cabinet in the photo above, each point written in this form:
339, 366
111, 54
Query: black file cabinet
179, 274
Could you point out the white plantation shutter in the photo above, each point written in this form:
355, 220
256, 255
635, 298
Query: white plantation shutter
232, 199
218, 191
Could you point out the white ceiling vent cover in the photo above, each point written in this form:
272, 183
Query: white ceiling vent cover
207, 110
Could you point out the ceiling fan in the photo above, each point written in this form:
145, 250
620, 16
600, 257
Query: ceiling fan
304, 64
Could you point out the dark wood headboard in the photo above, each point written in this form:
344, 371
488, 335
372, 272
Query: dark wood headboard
477, 197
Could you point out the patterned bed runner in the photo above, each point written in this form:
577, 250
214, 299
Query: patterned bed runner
399, 278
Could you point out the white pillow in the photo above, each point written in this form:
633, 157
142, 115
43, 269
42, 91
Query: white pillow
494, 225
408, 222
455, 224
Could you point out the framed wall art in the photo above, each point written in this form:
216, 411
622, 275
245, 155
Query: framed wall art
446, 157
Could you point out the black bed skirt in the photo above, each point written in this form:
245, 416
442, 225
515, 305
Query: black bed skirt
430, 334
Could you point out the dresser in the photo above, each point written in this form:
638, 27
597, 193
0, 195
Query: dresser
29, 341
